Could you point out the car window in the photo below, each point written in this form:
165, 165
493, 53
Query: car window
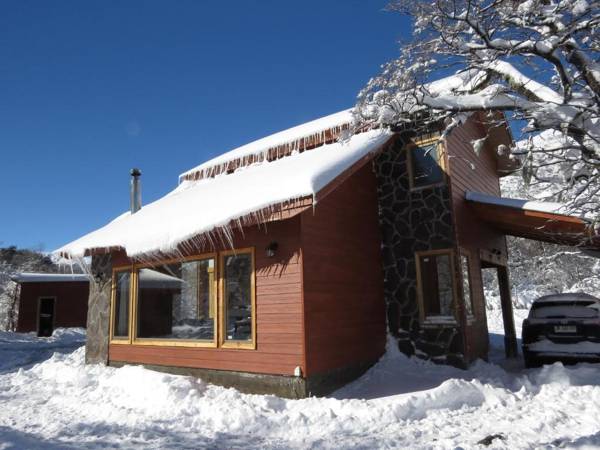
579, 310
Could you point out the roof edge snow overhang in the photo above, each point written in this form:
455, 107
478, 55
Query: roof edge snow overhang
328, 129
33, 277
324, 130
283, 211
275, 212
540, 221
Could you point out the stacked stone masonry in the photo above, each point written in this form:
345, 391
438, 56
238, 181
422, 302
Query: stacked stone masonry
412, 221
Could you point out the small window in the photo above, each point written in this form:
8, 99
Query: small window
425, 165
466, 283
238, 297
436, 285
121, 287
177, 301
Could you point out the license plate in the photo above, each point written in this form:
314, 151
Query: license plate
565, 329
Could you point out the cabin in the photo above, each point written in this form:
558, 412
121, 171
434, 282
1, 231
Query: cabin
47, 301
283, 266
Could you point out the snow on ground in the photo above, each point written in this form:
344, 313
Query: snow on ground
21, 349
496, 331
60, 403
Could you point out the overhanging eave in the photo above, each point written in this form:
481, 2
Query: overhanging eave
515, 218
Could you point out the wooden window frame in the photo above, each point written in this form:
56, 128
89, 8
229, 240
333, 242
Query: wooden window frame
467, 254
441, 156
113, 299
219, 304
233, 344
424, 320
169, 342
212, 292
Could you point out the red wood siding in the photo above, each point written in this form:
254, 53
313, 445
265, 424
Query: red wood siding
343, 277
70, 308
279, 313
472, 233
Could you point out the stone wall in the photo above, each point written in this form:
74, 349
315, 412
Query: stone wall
98, 319
411, 221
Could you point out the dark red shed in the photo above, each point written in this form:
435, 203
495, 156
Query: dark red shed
51, 300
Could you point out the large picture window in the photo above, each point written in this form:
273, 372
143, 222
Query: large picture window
425, 164
238, 298
179, 302
436, 285
176, 301
120, 305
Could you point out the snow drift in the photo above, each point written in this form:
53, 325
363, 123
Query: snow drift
400, 403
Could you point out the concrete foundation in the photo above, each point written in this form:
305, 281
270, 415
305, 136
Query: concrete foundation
280, 385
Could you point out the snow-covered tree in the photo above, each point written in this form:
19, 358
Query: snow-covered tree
537, 61
13, 260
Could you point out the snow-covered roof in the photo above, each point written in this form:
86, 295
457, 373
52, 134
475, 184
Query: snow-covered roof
32, 277
153, 278
566, 297
316, 131
528, 205
257, 149
148, 276
542, 221
199, 207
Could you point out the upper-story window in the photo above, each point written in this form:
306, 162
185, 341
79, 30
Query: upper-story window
425, 163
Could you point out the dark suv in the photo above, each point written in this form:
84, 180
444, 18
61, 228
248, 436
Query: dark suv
562, 327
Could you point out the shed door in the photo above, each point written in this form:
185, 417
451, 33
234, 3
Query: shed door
46, 316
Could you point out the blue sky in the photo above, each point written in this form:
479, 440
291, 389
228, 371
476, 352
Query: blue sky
90, 89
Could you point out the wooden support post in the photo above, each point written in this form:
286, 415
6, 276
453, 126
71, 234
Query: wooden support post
510, 336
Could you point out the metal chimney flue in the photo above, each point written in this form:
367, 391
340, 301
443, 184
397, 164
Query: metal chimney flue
135, 192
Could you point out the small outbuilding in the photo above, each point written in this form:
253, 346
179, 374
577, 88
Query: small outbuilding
51, 300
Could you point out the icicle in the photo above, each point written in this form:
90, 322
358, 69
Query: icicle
280, 150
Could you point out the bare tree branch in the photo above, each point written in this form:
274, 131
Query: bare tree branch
536, 60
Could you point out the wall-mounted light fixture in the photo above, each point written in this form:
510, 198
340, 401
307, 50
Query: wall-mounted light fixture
271, 249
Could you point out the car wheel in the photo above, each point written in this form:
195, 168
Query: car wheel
530, 360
